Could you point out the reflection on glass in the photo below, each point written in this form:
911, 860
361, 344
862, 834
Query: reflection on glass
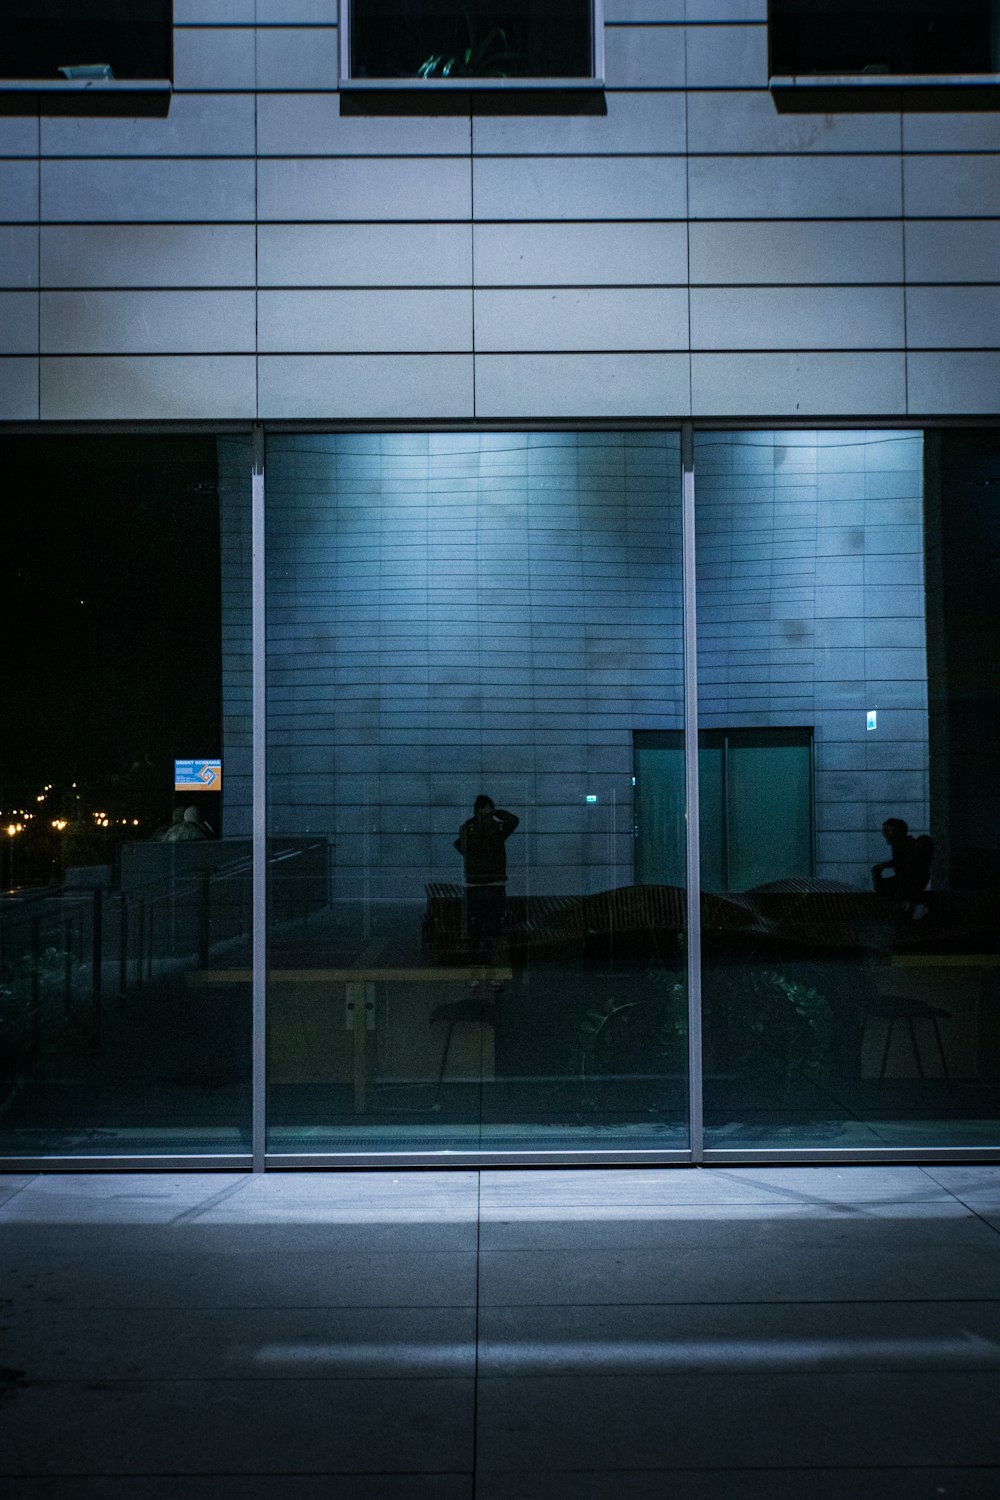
463, 627
848, 718
479, 39
122, 884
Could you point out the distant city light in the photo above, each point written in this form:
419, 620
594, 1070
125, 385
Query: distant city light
20, 819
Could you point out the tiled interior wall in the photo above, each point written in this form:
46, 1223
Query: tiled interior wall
451, 614
811, 612
454, 613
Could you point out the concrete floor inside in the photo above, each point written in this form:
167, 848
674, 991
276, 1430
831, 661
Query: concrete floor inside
807, 1332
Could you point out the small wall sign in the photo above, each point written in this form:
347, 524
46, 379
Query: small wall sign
198, 775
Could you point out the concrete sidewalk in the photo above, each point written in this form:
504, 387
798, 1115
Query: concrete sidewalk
807, 1332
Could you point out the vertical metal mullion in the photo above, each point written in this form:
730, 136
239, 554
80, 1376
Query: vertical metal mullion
259, 818
725, 813
691, 811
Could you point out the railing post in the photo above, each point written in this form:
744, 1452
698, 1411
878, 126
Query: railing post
123, 947
96, 963
140, 938
67, 943
36, 989
204, 919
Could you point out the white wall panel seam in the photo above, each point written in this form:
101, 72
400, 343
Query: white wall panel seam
188, 288
687, 245
38, 274
902, 214
259, 443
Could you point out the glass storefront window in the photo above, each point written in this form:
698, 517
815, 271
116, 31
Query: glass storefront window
849, 991
454, 618
124, 880
479, 812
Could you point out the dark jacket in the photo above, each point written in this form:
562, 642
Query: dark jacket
481, 845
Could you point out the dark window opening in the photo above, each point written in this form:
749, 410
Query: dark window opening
446, 40
904, 37
133, 38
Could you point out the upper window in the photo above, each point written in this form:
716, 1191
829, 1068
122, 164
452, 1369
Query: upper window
884, 53
883, 36
86, 56
472, 43
44, 38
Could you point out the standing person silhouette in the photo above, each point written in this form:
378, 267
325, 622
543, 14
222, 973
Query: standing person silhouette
481, 843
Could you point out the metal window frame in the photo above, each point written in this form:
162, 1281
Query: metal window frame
96, 97
595, 80
258, 916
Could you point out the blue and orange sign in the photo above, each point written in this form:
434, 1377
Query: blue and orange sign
198, 775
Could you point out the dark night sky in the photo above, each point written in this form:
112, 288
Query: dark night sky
110, 607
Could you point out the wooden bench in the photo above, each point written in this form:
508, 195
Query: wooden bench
360, 991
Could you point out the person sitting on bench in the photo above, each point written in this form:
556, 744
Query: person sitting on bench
903, 878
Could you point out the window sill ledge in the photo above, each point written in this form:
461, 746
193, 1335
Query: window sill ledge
872, 93
463, 96
470, 85
131, 97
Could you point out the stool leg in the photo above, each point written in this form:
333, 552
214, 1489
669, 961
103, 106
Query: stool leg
885, 1053
444, 1059
940, 1047
916, 1049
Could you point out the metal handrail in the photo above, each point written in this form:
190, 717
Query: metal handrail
72, 921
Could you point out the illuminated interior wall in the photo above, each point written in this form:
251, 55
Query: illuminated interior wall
457, 613
811, 613
454, 613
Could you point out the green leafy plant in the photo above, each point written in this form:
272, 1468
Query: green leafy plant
750, 1012
486, 56
793, 1019
31, 1031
